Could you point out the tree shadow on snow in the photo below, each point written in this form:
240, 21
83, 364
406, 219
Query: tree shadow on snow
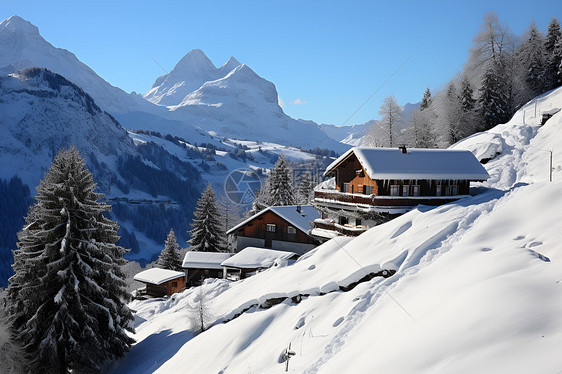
151, 353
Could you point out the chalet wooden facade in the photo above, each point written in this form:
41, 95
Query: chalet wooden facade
161, 282
370, 185
278, 227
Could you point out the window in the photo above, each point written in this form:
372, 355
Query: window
367, 190
174, 284
394, 190
405, 190
454, 190
270, 227
291, 230
415, 190
343, 220
357, 221
345, 187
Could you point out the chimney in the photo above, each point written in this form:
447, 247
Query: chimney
299, 209
403, 148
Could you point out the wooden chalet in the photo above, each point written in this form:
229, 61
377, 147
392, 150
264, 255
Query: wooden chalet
199, 266
278, 227
252, 260
161, 282
369, 185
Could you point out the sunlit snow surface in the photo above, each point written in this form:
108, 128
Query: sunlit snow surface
478, 287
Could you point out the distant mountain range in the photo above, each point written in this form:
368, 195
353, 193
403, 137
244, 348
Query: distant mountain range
225, 118
196, 98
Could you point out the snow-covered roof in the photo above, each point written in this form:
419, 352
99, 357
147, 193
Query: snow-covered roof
290, 214
391, 163
157, 276
254, 258
205, 260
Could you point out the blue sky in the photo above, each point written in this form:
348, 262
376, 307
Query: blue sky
325, 57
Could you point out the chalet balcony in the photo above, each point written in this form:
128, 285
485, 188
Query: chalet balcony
332, 226
374, 202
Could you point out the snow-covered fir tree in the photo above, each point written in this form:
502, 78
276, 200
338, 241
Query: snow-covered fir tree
279, 188
467, 121
421, 123
531, 61
170, 255
494, 102
426, 99
553, 51
466, 96
206, 232
305, 189
67, 299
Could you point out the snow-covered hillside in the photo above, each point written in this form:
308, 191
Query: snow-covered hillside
477, 288
43, 112
351, 135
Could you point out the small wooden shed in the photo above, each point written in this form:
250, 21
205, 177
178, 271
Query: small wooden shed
199, 266
161, 282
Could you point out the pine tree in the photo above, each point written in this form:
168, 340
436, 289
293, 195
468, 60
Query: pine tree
466, 96
426, 100
206, 232
279, 189
67, 298
531, 59
170, 256
553, 49
494, 101
305, 189
466, 124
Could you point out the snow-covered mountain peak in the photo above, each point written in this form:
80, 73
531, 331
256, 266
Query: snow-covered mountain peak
189, 74
16, 24
194, 61
241, 85
23, 47
231, 64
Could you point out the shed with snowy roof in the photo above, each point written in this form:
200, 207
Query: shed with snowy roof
202, 265
284, 228
161, 282
251, 260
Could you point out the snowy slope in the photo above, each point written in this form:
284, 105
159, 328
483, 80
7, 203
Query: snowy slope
43, 112
23, 47
477, 287
351, 135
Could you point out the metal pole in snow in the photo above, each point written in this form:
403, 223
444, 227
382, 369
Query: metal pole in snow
551, 166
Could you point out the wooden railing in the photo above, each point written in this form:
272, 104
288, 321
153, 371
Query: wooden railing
339, 228
386, 201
